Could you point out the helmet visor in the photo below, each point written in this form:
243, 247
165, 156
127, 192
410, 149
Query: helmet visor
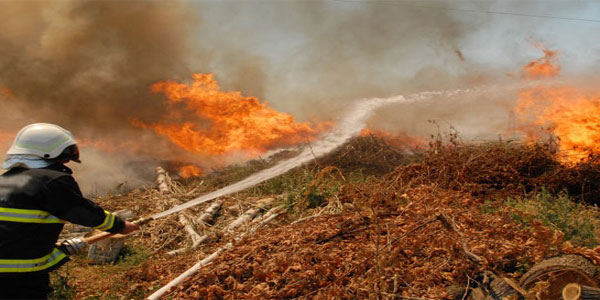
70, 153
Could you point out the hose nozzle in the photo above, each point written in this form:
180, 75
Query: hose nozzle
73, 246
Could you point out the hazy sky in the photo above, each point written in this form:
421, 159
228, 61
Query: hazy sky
271, 29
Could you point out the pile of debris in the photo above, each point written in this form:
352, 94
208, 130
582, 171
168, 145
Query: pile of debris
414, 244
414, 229
420, 232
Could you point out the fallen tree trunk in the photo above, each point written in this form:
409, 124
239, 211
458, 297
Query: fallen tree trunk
558, 272
158, 294
575, 291
187, 225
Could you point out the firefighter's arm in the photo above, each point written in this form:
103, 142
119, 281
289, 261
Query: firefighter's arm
64, 200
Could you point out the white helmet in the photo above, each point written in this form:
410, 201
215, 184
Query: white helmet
43, 140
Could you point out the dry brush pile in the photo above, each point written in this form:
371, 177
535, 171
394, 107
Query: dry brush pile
390, 245
418, 232
414, 228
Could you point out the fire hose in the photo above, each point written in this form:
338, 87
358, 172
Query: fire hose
76, 246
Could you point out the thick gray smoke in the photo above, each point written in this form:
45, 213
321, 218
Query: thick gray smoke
88, 65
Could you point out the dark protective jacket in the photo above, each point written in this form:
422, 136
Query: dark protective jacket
34, 205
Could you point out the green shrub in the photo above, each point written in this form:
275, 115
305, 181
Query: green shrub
580, 223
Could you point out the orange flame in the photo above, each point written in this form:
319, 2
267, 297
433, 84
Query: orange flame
572, 115
189, 171
399, 140
544, 66
205, 120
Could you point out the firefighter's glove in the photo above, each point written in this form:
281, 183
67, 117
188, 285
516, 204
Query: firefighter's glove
73, 246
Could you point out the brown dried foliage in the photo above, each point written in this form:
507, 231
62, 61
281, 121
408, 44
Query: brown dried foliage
388, 242
371, 155
502, 168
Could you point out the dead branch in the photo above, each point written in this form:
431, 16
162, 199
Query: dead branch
250, 213
207, 216
162, 180
196, 238
158, 294
450, 225
272, 211
209, 213
189, 229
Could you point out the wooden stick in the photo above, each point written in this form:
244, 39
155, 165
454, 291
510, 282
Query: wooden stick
250, 214
209, 213
187, 225
196, 238
449, 224
162, 180
191, 271
517, 288
269, 213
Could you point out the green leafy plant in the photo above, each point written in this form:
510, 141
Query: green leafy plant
580, 223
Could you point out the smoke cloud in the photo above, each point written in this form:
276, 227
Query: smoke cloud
88, 65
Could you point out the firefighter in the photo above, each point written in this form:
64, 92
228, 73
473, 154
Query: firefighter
37, 196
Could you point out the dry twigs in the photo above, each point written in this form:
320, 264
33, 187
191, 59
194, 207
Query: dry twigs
196, 238
158, 294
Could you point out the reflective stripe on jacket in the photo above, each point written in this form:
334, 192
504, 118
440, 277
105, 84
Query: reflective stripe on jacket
31, 265
109, 222
27, 216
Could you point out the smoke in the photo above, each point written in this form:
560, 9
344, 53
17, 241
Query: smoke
100, 173
88, 65
323, 55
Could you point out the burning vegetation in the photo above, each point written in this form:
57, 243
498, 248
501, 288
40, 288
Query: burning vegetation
189, 171
561, 112
543, 67
222, 122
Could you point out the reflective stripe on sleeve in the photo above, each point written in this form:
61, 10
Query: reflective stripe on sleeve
108, 223
31, 265
27, 216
